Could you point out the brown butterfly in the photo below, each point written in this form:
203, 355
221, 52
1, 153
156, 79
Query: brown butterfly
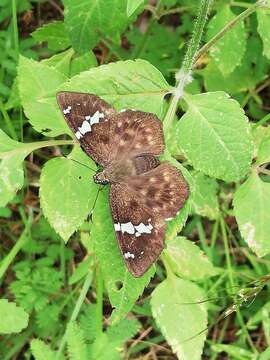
144, 193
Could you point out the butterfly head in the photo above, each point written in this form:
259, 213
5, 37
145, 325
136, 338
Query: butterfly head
101, 178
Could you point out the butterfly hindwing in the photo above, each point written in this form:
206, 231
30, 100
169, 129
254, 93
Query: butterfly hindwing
139, 230
144, 193
88, 116
162, 189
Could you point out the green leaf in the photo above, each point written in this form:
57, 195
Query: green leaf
14, 318
54, 34
110, 344
87, 23
42, 351
60, 62
252, 211
77, 348
124, 84
204, 200
181, 320
235, 352
187, 260
123, 289
12, 154
67, 192
81, 271
263, 17
82, 63
263, 155
160, 47
215, 136
132, 6
228, 52
38, 85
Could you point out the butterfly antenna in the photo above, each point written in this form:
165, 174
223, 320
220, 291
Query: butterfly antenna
78, 162
94, 205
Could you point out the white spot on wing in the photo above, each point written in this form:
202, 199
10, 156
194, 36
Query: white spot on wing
128, 228
96, 118
169, 219
78, 135
67, 110
117, 227
128, 255
144, 229
85, 128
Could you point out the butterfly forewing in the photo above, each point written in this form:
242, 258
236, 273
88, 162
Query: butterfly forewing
135, 133
139, 230
88, 116
144, 194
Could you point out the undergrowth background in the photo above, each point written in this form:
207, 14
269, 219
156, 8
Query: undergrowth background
65, 292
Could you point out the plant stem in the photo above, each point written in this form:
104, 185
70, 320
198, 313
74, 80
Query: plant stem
62, 261
76, 310
99, 309
229, 26
184, 75
18, 245
262, 121
8, 121
15, 28
232, 284
34, 146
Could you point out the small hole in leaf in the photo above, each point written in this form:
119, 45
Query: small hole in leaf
46, 130
118, 285
80, 177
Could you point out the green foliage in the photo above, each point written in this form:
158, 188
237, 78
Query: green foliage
123, 289
73, 299
77, 349
252, 212
160, 47
215, 136
132, 6
15, 318
263, 17
205, 201
187, 260
41, 351
180, 318
54, 34
124, 84
12, 154
67, 210
86, 24
38, 84
226, 56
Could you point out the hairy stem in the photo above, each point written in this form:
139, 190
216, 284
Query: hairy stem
184, 75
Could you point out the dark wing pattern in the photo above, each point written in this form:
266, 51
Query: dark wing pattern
162, 189
140, 207
135, 133
139, 230
88, 116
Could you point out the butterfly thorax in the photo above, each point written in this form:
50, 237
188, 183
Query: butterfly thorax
118, 171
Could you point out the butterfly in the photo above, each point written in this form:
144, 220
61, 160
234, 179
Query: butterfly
144, 193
